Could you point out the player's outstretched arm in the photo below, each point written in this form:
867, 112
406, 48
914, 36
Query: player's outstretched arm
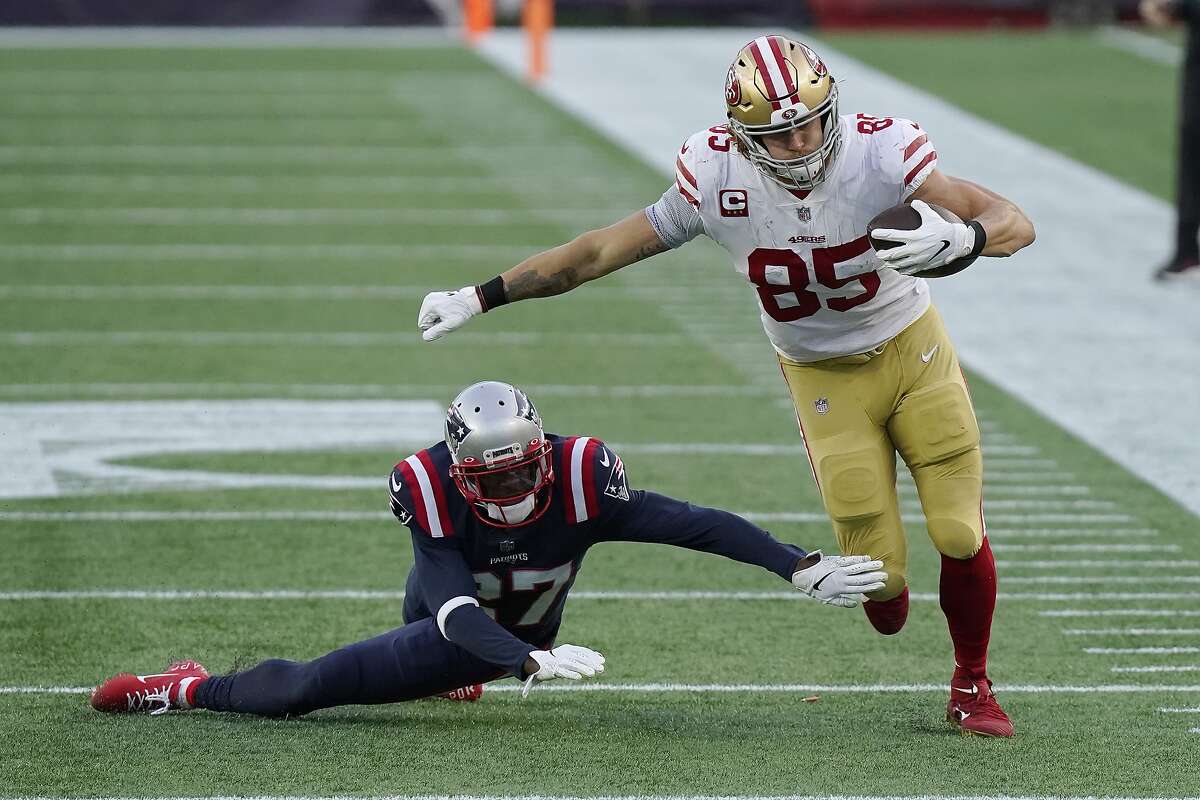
565, 661
586, 257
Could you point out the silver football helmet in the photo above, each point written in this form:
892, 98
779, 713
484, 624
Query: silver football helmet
502, 461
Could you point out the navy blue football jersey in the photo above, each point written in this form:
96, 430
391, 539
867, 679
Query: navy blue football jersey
500, 592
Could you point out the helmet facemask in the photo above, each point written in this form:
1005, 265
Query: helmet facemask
510, 491
803, 173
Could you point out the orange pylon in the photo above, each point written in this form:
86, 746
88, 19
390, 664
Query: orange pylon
538, 18
479, 17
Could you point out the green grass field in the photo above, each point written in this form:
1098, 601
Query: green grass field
241, 224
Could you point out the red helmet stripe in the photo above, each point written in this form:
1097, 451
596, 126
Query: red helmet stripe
789, 83
418, 496
761, 63
439, 492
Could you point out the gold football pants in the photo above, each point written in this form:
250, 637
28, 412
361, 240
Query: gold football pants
856, 412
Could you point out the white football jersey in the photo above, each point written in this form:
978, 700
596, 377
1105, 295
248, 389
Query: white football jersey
821, 288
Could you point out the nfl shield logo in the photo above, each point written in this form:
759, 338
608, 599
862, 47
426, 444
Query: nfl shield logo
507, 546
822, 405
804, 213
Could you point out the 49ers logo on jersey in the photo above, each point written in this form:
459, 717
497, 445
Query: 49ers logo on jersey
734, 203
733, 89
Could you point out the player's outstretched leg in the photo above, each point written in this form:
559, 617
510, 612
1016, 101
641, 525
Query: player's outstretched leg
405, 664
151, 694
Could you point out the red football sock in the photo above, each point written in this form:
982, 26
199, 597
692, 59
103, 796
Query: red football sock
968, 595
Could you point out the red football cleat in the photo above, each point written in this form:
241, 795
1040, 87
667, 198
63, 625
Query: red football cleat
888, 616
467, 694
974, 711
153, 694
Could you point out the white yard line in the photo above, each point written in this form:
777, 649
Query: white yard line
1140, 651
1113, 564
324, 338
1159, 668
376, 390
640, 797
1120, 612
1103, 580
125, 253
1180, 710
223, 38
1069, 533
1087, 548
1132, 632
1141, 44
371, 482
406, 185
301, 217
256, 154
744, 688
580, 595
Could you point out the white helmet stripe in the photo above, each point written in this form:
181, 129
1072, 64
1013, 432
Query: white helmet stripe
773, 70
427, 496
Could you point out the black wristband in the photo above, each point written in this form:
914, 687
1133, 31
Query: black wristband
491, 294
980, 237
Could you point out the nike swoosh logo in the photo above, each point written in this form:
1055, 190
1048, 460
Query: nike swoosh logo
925, 357
962, 715
972, 691
604, 458
945, 244
396, 485
143, 678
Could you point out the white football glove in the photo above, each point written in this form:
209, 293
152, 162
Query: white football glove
442, 312
934, 244
840, 580
565, 661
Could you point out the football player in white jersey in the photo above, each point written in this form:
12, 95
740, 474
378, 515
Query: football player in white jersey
788, 187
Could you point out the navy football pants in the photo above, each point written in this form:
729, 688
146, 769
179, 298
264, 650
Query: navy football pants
404, 664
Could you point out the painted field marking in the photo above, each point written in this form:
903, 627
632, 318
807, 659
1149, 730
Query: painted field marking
299, 216
1108, 564
413, 186
352, 482
377, 390
1159, 668
1120, 612
737, 688
19, 37
1081, 580
257, 292
1068, 533
323, 338
1140, 44
1195, 710
258, 252
1132, 632
1140, 651
583, 594
1088, 548
257, 154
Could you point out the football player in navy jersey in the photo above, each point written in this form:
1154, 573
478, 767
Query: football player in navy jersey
501, 516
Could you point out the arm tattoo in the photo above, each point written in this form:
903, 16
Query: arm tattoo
650, 250
533, 284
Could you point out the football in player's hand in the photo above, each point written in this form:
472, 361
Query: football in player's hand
905, 218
